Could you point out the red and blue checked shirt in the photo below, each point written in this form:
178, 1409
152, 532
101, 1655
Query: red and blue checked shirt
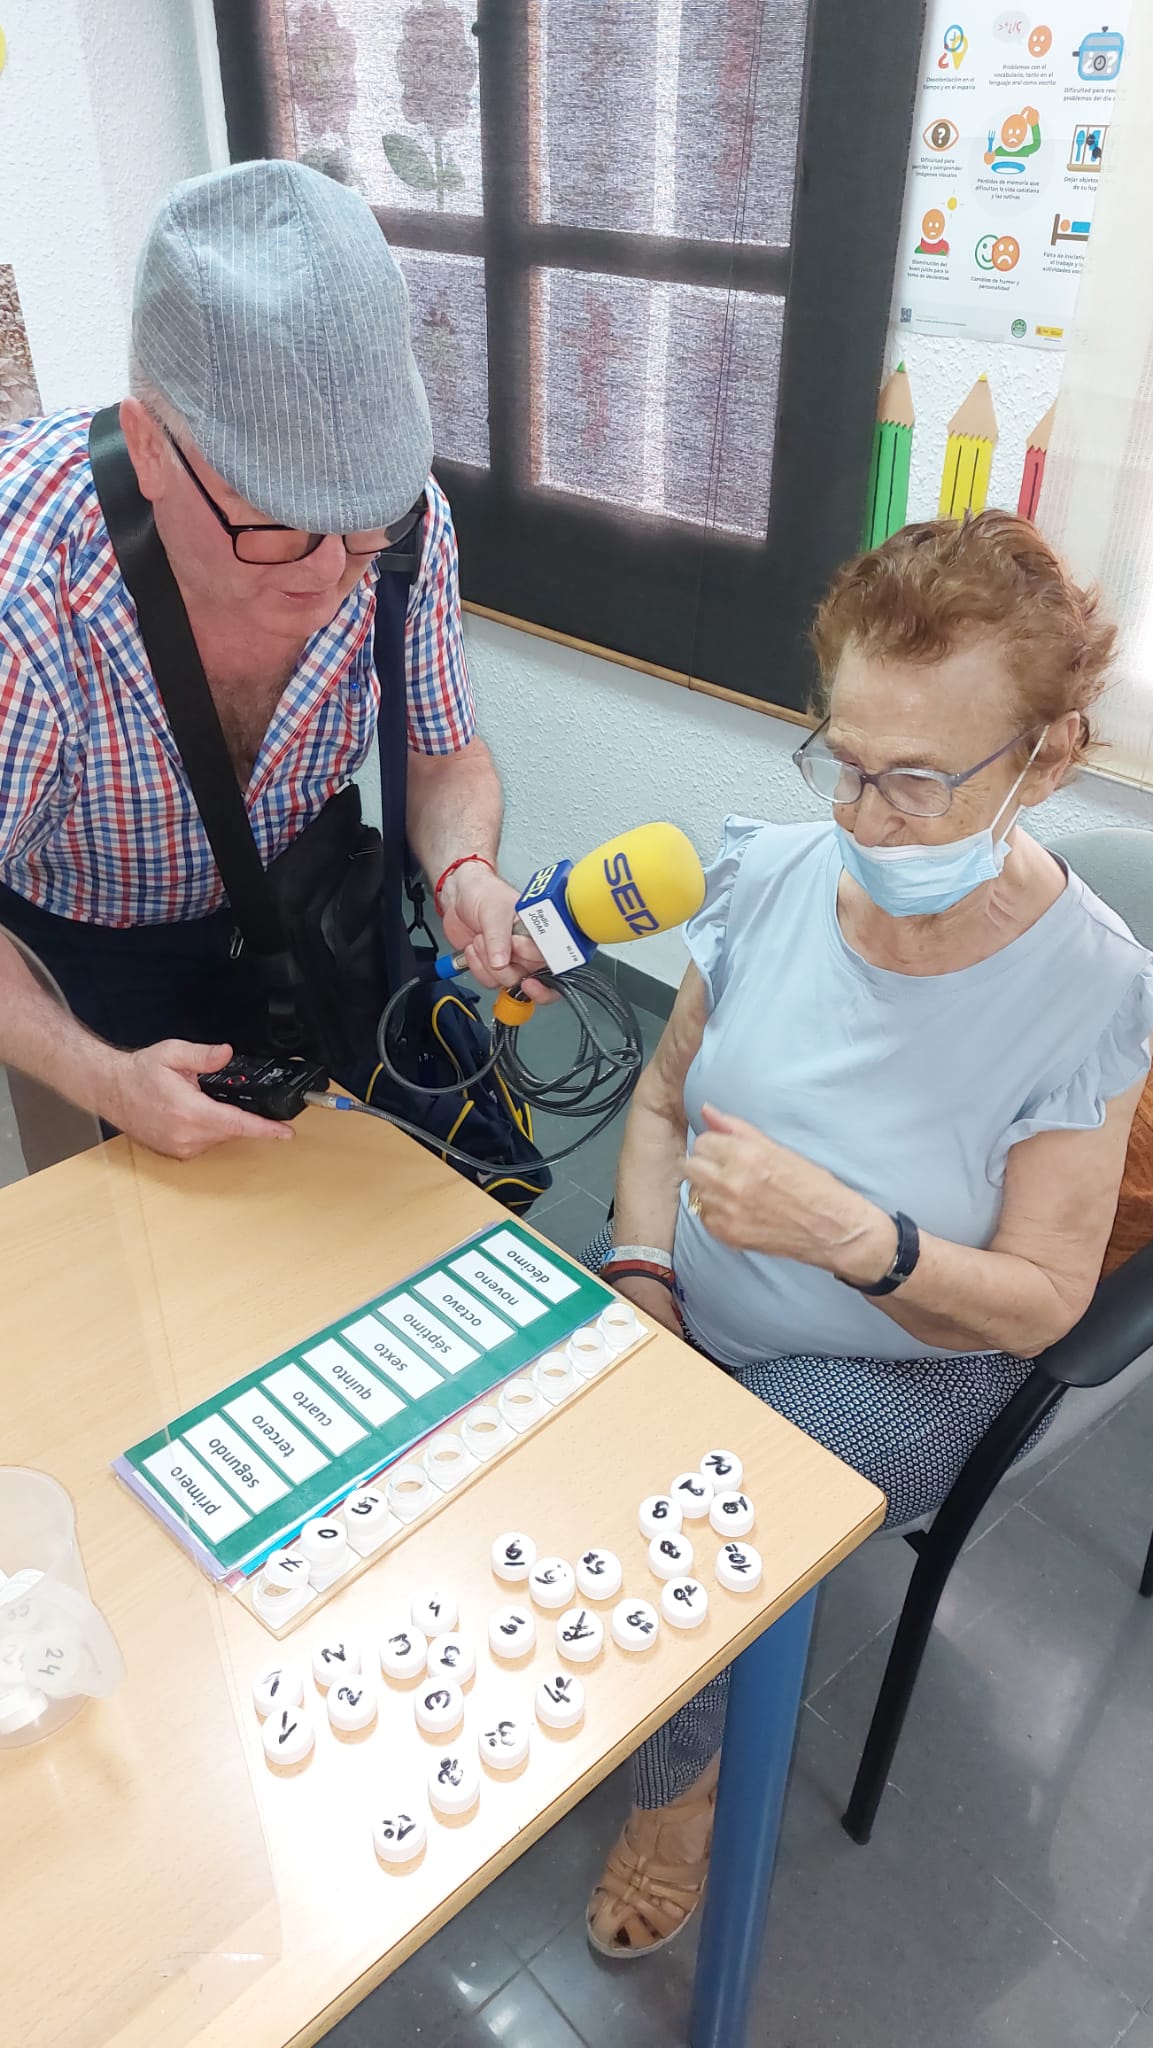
97, 821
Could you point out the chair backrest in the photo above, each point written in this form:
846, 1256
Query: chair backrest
49, 1129
1117, 863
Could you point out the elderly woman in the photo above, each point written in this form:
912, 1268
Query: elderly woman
903, 1065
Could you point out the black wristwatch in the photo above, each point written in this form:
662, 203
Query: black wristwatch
907, 1253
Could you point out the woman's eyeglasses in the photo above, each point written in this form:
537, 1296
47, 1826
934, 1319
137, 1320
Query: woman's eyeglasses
918, 792
271, 544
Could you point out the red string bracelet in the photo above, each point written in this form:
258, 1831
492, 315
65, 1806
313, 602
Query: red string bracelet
451, 870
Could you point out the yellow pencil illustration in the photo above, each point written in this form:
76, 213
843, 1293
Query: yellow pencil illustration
969, 453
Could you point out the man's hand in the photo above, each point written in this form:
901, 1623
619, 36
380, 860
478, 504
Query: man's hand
154, 1098
477, 911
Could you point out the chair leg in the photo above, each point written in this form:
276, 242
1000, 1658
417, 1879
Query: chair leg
942, 1544
1146, 1587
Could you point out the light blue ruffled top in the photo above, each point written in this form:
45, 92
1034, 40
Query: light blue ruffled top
910, 1088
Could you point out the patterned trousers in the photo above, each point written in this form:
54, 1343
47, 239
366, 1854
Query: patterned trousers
906, 1424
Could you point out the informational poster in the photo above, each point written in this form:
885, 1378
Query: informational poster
1010, 132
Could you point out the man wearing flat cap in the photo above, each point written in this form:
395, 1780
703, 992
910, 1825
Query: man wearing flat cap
279, 429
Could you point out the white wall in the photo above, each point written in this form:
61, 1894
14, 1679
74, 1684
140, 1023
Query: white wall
103, 105
587, 747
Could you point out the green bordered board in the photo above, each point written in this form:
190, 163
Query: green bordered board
237, 1476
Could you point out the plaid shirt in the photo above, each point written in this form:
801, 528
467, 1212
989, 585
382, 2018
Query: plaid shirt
97, 821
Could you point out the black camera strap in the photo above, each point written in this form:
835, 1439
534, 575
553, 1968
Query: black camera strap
179, 675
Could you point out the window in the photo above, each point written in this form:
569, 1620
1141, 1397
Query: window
650, 246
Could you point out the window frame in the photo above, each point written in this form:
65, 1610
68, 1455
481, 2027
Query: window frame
728, 610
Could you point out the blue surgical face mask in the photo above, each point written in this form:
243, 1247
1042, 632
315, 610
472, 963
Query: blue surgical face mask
918, 881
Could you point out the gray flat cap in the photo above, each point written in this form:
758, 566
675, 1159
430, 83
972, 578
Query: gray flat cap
269, 310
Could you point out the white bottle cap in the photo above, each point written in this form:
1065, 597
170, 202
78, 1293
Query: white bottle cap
336, 1657
351, 1705
55, 1659
580, 1635
17, 1608
452, 1655
511, 1632
618, 1325
599, 1575
684, 1602
285, 1571
404, 1649
589, 1352
724, 1468
370, 1520
20, 1707
324, 1539
521, 1404
439, 1706
659, 1515
503, 1743
485, 1431
739, 1567
410, 1492
447, 1461
636, 1624
283, 1588
732, 1514
288, 1736
278, 1685
435, 1609
693, 1492
554, 1377
399, 1834
552, 1582
513, 1556
671, 1555
454, 1781
560, 1700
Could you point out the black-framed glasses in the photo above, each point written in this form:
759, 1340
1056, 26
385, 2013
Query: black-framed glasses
918, 792
267, 545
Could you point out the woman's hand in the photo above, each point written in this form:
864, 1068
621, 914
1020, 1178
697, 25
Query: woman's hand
655, 1302
759, 1197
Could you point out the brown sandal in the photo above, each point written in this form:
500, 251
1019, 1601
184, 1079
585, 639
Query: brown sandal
642, 1901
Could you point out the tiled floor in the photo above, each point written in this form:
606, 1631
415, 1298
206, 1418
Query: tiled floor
1006, 1900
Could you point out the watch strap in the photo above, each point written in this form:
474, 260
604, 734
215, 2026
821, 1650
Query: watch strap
904, 1261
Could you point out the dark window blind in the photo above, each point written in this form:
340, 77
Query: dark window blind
649, 245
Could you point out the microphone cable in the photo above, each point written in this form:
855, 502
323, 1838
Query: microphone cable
597, 1084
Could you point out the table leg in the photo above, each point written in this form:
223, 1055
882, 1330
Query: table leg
760, 1730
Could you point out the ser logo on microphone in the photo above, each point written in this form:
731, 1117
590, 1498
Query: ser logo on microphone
627, 897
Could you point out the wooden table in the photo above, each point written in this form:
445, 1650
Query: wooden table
161, 1886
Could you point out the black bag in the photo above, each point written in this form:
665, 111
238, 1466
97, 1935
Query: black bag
325, 923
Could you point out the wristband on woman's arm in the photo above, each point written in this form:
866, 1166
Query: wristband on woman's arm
639, 1262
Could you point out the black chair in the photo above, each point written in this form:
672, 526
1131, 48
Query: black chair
1110, 1350
1112, 1336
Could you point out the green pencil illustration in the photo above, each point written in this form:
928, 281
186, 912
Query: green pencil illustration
887, 501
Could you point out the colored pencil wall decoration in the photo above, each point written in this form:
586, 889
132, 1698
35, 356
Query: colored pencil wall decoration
1033, 474
887, 500
969, 454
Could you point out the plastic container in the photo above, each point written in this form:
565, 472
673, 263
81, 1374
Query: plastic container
56, 1649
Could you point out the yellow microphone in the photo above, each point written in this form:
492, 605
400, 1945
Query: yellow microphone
643, 881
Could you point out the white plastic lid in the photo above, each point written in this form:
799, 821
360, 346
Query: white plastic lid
599, 1574
454, 1781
